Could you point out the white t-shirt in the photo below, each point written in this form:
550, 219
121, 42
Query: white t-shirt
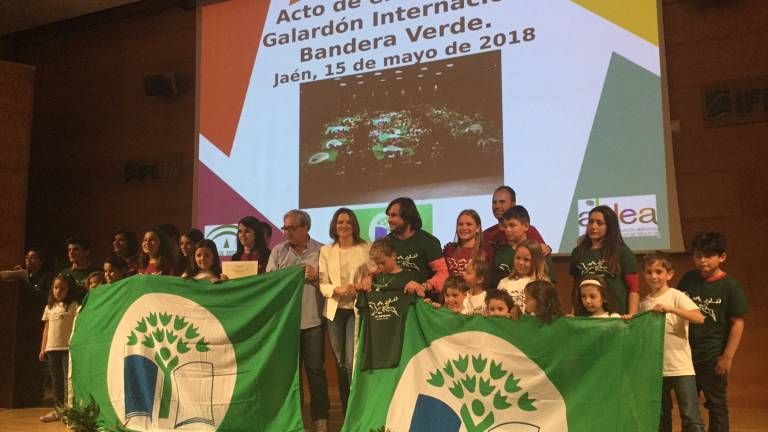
475, 304
606, 315
60, 321
677, 351
516, 289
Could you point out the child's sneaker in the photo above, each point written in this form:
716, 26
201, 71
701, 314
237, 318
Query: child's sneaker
50, 417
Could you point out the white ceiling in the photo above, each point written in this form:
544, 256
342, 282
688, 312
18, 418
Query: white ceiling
16, 15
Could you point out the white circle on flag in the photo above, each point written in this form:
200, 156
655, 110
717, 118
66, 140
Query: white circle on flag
529, 402
167, 339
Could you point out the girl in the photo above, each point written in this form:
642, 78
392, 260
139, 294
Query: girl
59, 317
602, 251
468, 244
595, 299
115, 269
340, 262
156, 256
207, 262
126, 246
477, 276
541, 299
187, 243
528, 265
94, 279
251, 245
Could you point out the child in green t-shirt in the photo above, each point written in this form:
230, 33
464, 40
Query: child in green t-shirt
714, 343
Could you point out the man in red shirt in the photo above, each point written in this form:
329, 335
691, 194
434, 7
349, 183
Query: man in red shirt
503, 199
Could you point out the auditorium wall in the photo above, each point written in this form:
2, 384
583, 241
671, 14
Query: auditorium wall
92, 119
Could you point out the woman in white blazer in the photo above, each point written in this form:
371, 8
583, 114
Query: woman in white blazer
340, 266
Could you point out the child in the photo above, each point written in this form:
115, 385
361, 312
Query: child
541, 299
678, 366
59, 317
714, 343
115, 269
602, 251
500, 304
455, 290
478, 274
94, 279
468, 245
207, 262
595, 299
79, 255
517, 222
529, 266
383, 304
156, 256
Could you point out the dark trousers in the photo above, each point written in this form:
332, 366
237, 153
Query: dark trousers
715, 389
687, 402
58, 363
313, 358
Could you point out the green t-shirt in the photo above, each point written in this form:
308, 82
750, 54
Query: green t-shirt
593, 263
417, 251
718, 301
80, 276
384, 310
504, 263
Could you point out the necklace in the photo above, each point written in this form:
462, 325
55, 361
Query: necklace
384, 283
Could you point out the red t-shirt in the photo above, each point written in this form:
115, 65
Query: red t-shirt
458, 258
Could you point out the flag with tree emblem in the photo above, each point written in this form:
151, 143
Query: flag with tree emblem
165, 353
476, 374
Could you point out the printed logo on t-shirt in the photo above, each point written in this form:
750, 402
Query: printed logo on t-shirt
406, 262
594, 267
704, 305
383, 309
458, 265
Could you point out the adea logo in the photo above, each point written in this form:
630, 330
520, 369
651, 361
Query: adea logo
636, 213
225, 237
171, 366
379, 226
457, 384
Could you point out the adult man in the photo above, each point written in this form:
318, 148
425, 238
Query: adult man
417, 250
503, 199
298, 249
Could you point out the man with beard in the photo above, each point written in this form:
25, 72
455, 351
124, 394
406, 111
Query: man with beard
504, 199
417, 250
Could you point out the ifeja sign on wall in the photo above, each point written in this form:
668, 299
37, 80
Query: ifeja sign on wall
637, 214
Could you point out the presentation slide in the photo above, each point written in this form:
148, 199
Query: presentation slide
322, 104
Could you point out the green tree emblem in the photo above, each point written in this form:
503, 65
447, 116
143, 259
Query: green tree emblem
169, 336
483, 389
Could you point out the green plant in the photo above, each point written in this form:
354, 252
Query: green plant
82, 417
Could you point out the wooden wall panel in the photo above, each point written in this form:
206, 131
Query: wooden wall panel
16, 93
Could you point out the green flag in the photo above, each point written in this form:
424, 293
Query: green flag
473, 374
165, 353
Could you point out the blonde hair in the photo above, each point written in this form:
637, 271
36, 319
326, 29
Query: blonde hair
538, 265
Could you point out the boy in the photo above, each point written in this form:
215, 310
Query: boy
455, 290
714, 343
115, 269
383, 303
79, 255
499, 303
516, 222
678, 369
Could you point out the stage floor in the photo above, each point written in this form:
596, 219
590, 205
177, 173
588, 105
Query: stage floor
27, 420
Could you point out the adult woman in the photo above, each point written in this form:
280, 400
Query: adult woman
250, 243
187, 245
340, 263
125, 246
155, 256
468, 245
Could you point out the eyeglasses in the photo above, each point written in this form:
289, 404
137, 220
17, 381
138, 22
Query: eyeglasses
291, 229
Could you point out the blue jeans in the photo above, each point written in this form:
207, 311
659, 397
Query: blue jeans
313, 358
58, 363
715, 388
687, 402
342, 333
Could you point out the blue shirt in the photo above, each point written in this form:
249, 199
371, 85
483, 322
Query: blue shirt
284, 256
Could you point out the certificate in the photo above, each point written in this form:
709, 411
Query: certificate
238, 269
